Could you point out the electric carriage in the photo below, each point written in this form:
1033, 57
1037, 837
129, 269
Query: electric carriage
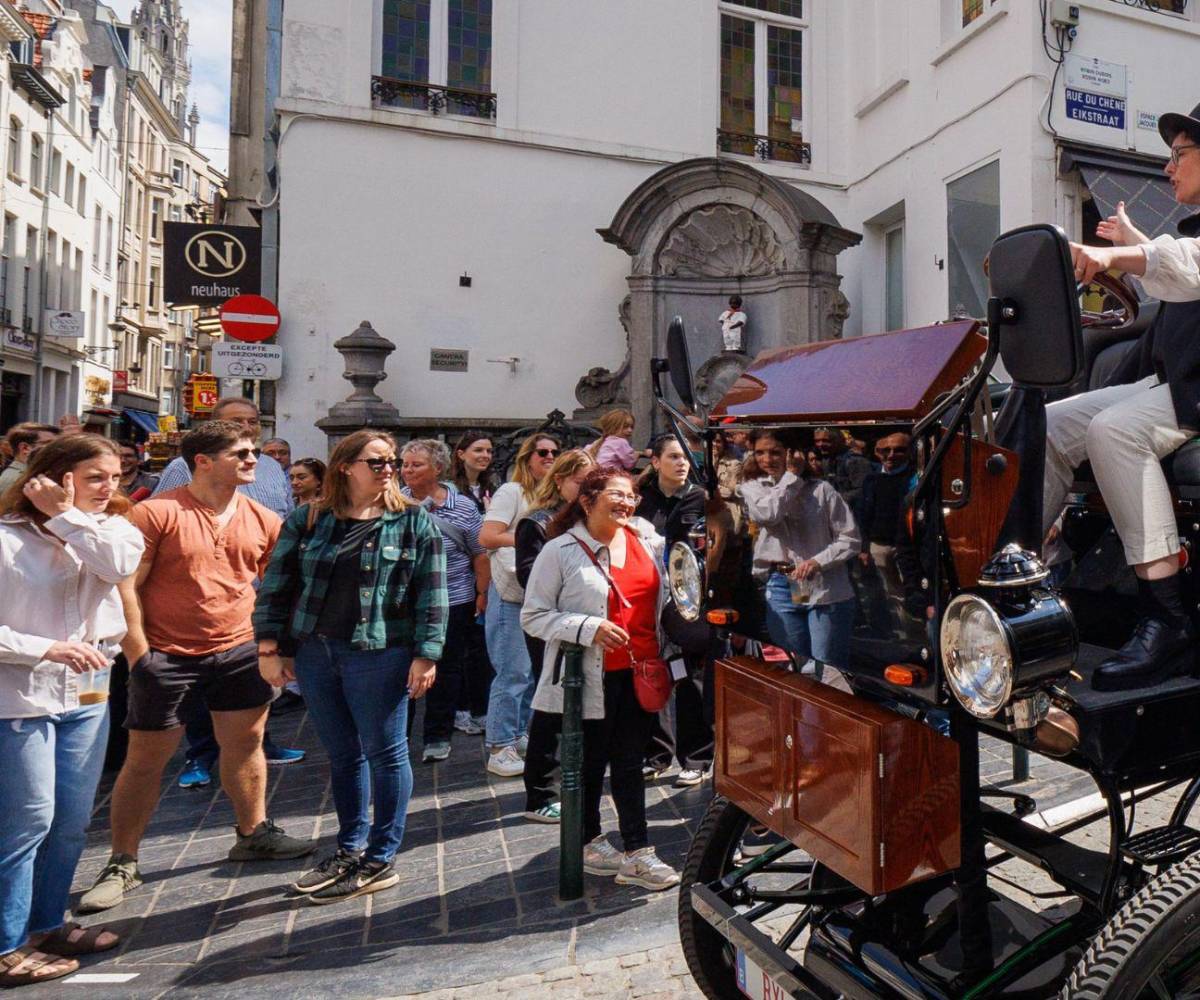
879, 875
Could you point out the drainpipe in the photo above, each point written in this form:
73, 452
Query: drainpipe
38, 364
270, 216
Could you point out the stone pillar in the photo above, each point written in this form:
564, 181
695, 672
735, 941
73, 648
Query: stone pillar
364, 353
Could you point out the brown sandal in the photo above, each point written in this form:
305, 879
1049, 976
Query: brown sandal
38, 967
73, 939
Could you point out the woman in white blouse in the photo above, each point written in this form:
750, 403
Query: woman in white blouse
63, 551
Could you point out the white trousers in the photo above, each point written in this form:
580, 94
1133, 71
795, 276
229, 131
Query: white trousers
1124, 431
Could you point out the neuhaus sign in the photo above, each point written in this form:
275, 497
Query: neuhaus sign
208, 264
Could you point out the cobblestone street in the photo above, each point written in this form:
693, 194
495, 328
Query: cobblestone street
475, 915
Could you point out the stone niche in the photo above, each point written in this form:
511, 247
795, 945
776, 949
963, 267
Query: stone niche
700, 231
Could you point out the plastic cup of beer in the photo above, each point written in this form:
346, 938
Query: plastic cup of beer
93, 686
801, 589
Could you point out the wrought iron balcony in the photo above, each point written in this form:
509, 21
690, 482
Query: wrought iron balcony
764, 147
1159, 6
391, 93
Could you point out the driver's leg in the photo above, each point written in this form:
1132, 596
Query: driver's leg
1126, 444
1067, 423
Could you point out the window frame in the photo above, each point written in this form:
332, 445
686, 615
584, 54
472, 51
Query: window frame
762, 20
15, 147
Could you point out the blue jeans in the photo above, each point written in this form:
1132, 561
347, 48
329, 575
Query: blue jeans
821, 631
358, 702
511, 699
49, 769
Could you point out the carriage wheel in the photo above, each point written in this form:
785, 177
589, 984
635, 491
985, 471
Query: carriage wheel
711, 959
1150, 950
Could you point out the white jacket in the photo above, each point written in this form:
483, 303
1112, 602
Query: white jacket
55, 592
566, 599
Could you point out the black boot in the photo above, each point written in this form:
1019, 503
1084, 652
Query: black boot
1160, 646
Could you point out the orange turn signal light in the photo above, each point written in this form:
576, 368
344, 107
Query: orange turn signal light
722, 616
904, 674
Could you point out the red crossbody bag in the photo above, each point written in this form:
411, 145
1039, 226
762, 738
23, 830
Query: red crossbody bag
652, 682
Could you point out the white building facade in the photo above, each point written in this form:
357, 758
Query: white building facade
444, 167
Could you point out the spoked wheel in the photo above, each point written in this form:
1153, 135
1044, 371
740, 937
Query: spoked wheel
1151, 949
715, 852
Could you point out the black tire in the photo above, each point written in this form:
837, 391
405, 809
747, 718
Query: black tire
1160, 923
710, 958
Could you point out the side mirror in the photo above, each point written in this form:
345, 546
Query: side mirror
680, 363
1041, 338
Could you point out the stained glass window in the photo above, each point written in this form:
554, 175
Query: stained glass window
971, 9
737, 77
784, 87
406, 46
788, 8
470, 49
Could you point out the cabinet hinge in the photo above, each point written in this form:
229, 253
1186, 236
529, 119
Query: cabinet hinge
881, 848
881, 765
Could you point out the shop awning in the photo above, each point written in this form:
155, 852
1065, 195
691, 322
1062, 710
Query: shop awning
1112, 177
146, 421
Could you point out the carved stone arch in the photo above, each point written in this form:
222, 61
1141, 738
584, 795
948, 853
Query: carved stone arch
699, 231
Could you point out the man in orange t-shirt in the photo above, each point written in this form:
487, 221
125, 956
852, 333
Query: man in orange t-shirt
189, 630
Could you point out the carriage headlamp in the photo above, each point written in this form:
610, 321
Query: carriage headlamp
685, 580
977, 656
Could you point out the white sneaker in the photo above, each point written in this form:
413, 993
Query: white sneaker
689, 777
643, 867
601, 858
506, 763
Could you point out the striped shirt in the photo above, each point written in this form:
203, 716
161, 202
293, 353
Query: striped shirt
271, 486
460, 510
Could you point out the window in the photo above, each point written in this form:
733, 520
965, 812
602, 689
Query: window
6, 268
973, 223
97, 222
55, 171
893, 278
69, 187
453, 75
108, 245
762, 81
974, 9
71, 105
77, 280
177, 173
93, 320
156, 218
31, 251
152, 298
169, 354
35, 162
81, 198
14, 147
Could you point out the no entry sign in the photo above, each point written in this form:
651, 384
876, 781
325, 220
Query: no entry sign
250, 318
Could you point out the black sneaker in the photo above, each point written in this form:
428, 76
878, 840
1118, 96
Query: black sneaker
365, 877
327, 872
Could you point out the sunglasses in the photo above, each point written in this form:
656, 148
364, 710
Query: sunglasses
242, 454
546, 452
377, 464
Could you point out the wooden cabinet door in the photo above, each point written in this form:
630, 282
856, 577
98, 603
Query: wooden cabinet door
751, 758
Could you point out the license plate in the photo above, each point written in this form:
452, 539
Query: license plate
755, 983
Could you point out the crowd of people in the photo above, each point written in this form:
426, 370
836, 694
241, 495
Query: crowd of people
355, 586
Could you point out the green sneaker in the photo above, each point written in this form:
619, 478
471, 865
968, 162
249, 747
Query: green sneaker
269, 843
120, 876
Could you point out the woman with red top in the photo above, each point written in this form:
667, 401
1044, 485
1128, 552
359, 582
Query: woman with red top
597, 583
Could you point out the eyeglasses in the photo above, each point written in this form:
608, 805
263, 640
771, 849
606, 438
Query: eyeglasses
617, 496
546, 452
1181, 148
242, 454
377, 464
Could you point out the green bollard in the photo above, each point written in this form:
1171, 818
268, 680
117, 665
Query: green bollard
570, 830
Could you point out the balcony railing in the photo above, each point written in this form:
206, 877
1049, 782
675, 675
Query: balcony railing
434, 98
1159, 6
764, 147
